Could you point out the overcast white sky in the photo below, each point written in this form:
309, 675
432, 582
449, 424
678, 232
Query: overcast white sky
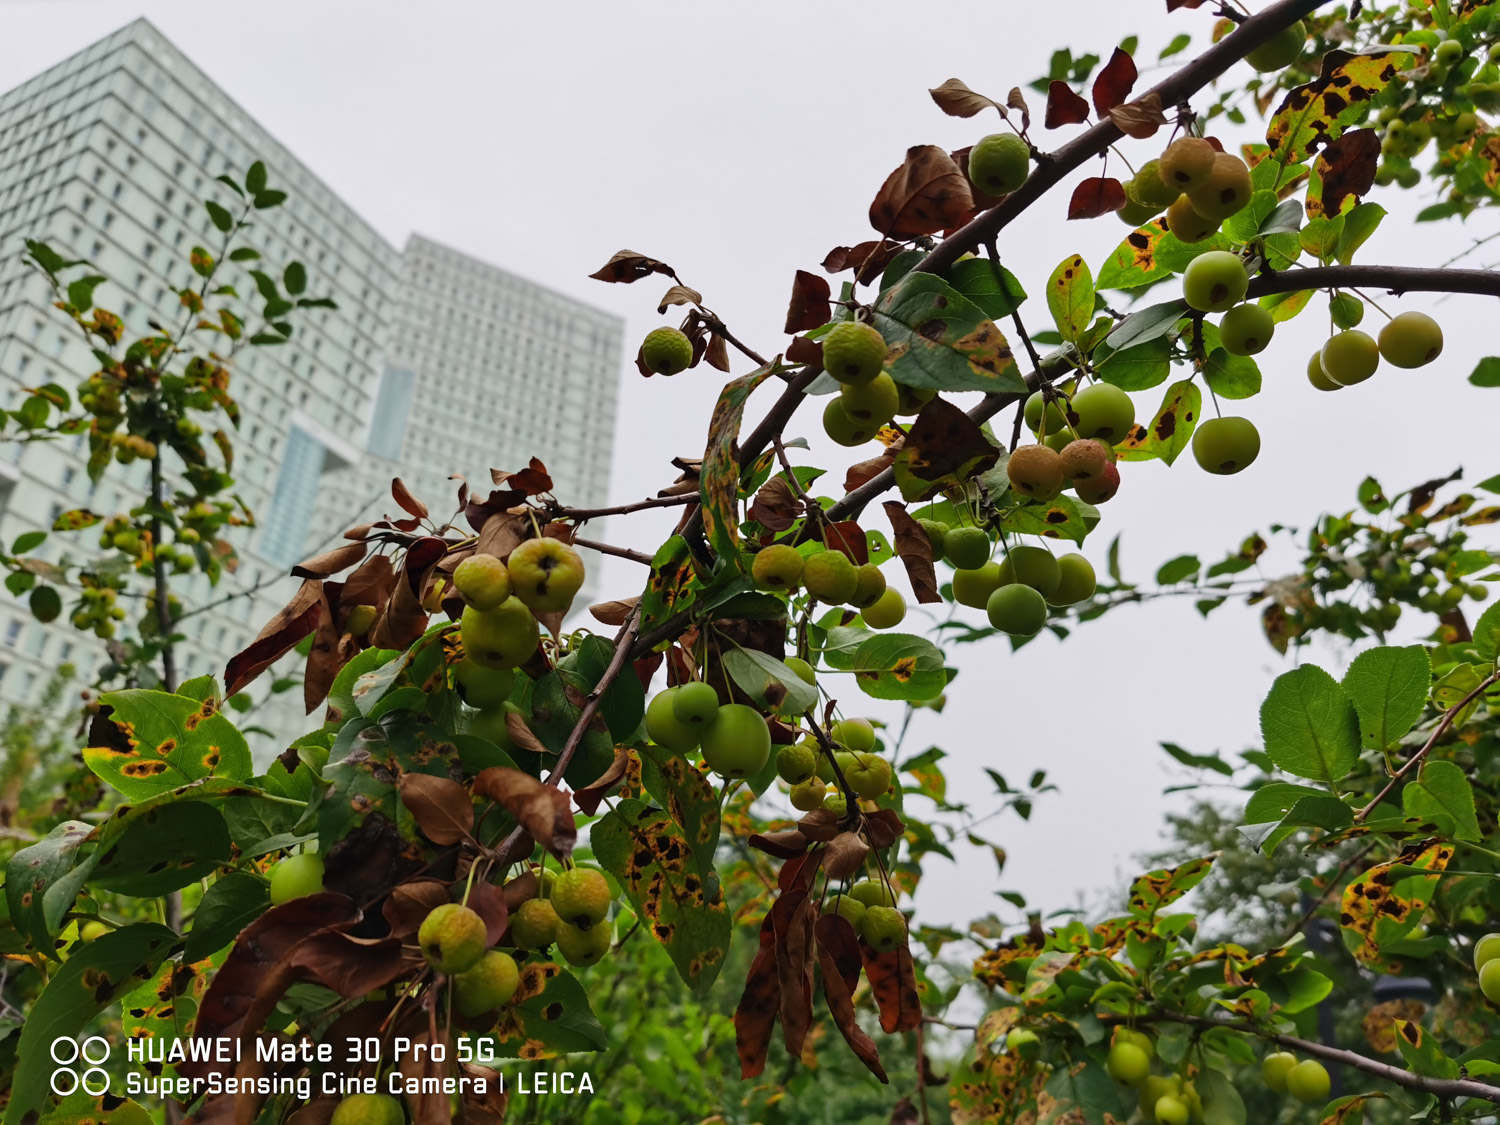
740, 143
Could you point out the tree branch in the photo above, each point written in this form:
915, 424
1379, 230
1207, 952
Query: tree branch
623, 509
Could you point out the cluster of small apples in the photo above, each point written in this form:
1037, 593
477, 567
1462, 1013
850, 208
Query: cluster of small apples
1409, 340
830, 576
811, 776
733, 737
1307, 1081
97, 610
1196, 184
870, 907
150, 622
1487, 966
854, 356
1076, 434
1015, 592
499, 627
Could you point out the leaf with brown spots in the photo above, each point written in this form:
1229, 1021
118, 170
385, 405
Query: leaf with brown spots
1383, 904
1170, 431
943, 447
173, 742
544, 812
1150, 892
809, 307
677, 899
927, 194
1064, 107
893, 980
441, 806
839, 960
1343, 173
915, 551
1313, 115
939, 339
755, 1014
627, 266
719, 481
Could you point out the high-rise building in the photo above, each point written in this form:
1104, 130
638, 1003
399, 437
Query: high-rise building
432, 363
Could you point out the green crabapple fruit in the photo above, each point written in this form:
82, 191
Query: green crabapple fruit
534, 924
888, 611
999, 163
481, 686
1128, 1064
853, 352
737, 743
1148, 187
936, 531
545, 574
849, 909
1349, 357
1187, 163
452, 938
368, 1109
582, 947
1486, 949
663, 726
1275, 1067
1226, 190
1317, 376
868, 587
869, 775
974, 587
502, 637
296, 877
795, 764
1032, 566
488, 985
1489, 980
1411, 339
1246, 329
830, 577
695, 705
1281, 50
844, 430
92, 931
854, 734
872, 892
883, 928
1214, 281
809, 795
581, 897
804, 670
777, 567
1075, 582
1135, 214
482, 581
1035, 471
1226, 445
1042, 415
1186, 224
1170, 1110
872, 403
1345, 310
966, 547
666, 351
1017, 609
1103, 411
1308, 1082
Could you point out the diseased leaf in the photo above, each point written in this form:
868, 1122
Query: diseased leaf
1064, 107
1313, 115
927, 194
441, 806
939, 339
1070, 297
943, 446
541, 810
957, 100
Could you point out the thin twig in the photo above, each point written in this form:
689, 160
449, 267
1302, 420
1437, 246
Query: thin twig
562, 513
611, 549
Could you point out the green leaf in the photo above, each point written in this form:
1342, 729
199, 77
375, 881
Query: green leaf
1486, 372
940, 339
680, 903
992, 287
1222, 1104
88, 982
172, 741
1181, 569
1443, 790
166, 849
1246, 223
1273, 800
244, 254
1178, 44
221, 217
1231, 376
1487, 633
81, 292
1140, 367
1146, 324
255, 178
1388, 687
27, 541
1309, 726
230, 904
1359, 224
1198, 761
769, 682
295, 278
265, 200
899, 666
1070, 297
624, 702
42, 880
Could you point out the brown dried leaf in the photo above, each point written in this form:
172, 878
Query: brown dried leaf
848, 537
792, 916
893, 980
1140, 118
1017, 100
351, 966
592, 795
678, 295
846, 854
755, 1014
716, 354
423, 1071
786, 844
409, 503
809, 306
1064, 107
927, 194
883, 828
1095, 196
803, 350
520, 733
957, 100
775, 507
616, 612
489, 902
915, 551
820, 825
410, 902
838, 957
857, 474
867, 259
403, 619
1113, 83
331, 562
542, 811
627, 266
441, 806
297, 619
